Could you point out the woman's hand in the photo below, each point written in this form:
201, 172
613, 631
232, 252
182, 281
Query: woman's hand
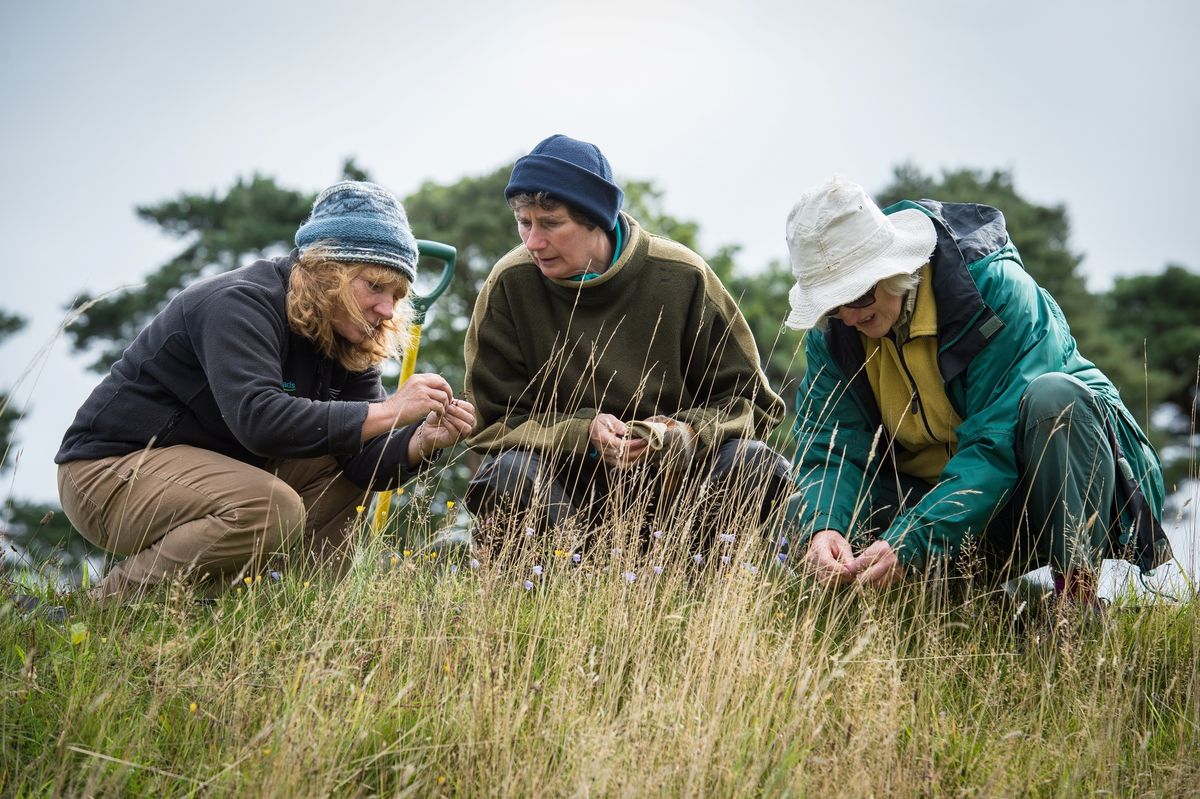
610, 437
878, 566
829, 557
416, 398
441, 431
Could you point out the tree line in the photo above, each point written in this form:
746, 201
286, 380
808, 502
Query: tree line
1139, 332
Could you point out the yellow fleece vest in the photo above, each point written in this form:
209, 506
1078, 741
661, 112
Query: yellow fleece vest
907, 384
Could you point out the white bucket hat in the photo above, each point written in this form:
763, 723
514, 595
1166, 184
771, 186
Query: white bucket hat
840, 245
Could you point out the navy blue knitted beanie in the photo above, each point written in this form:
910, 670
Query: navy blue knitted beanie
361, 223
573, 171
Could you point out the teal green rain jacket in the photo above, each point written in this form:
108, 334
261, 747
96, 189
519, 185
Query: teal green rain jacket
997, 331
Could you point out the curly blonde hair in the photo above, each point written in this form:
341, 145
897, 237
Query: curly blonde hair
320, 291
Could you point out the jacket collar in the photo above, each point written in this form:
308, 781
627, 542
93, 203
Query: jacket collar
966, 233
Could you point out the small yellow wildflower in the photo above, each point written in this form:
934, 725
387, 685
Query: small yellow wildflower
560, 553
248, 581
449, 504
258, 578
192, 707
441, 779
266, 751
306, 583
400, 491
395, 560
408, 553
432, 555
360, 508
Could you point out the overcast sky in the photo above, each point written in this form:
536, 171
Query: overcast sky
732, 108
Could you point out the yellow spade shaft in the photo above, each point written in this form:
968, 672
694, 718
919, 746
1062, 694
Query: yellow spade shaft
383, 503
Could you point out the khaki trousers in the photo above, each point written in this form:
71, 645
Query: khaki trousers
188, 511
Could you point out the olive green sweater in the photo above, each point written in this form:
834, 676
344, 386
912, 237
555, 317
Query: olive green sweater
655, 334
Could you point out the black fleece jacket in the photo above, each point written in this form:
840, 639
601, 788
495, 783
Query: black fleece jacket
219, 369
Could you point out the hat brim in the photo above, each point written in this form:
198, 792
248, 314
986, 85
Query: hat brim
907, 252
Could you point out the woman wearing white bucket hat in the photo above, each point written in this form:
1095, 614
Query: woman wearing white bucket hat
945, 401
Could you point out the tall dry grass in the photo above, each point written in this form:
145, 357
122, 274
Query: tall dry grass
432, 670
420, 675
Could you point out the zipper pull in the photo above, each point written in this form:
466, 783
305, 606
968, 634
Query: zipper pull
914, 407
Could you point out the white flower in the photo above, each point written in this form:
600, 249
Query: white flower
698, 558
529, 532
528, 585
657, 533
474, 563
537, 570
657, 569
575, 558
725, 560
630, 577
726, 538
750, 567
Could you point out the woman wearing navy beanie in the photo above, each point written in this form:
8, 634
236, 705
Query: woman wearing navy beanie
248, 417
602, 358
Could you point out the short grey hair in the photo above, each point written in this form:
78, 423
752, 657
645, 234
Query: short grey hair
896, 285
548, 202
901, 284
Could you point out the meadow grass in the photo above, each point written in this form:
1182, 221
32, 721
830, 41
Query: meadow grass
419, 675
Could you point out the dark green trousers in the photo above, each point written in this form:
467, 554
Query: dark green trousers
1063, 513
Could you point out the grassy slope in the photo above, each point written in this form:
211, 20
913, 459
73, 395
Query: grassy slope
408, 678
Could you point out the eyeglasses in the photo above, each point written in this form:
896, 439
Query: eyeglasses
862, 302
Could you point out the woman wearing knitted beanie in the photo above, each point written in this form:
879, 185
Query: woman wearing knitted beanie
248, 418
612, 371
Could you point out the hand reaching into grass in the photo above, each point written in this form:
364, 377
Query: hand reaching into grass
878, 566
829, 557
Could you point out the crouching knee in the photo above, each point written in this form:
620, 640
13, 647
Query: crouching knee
509, 477
1054, 396
752, 470
281, 520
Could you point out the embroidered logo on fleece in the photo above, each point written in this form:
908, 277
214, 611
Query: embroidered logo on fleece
289, 385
